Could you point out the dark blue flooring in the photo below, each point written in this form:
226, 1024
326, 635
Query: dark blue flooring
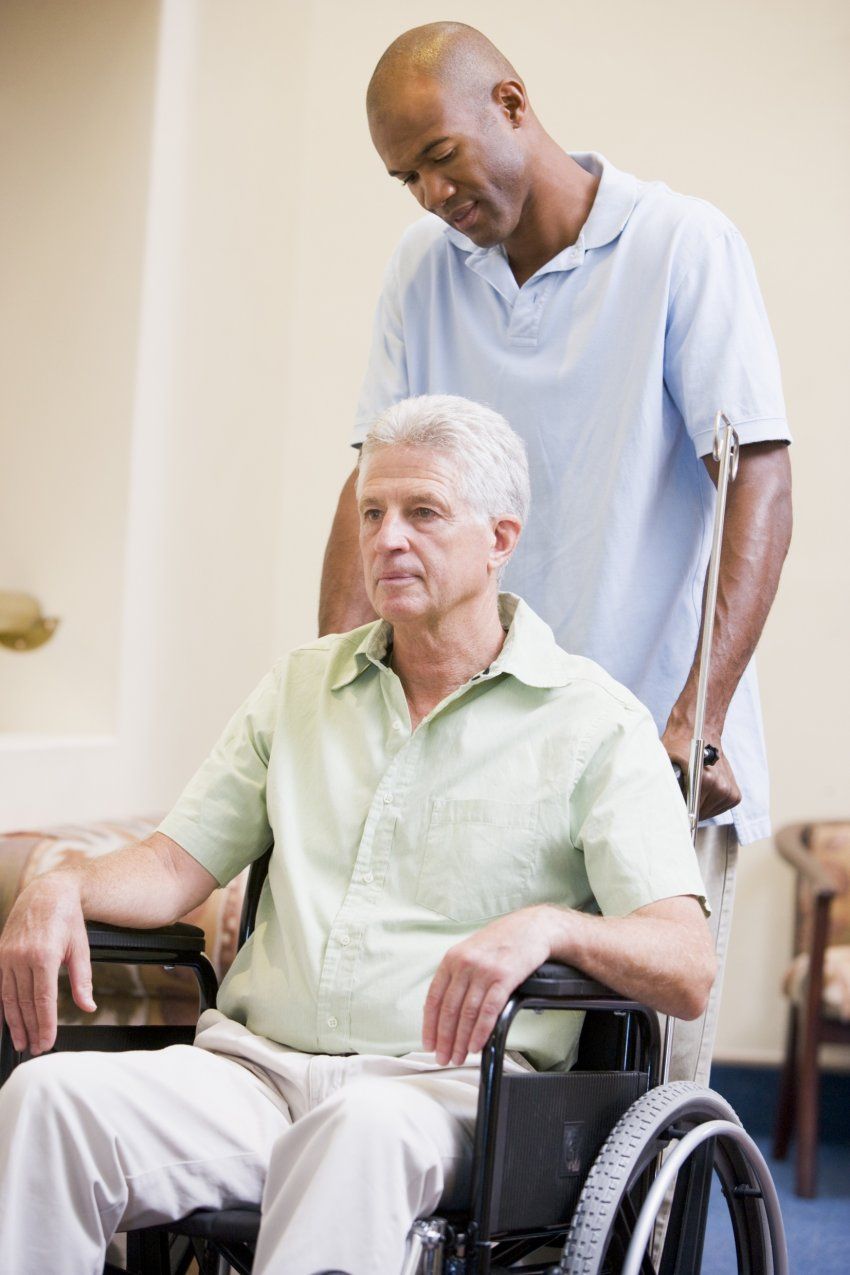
817, 1231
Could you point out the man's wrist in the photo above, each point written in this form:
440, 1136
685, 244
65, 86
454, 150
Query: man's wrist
66, 884
558, 925
680, 725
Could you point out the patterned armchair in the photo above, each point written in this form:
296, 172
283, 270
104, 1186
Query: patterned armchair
817, 982
125, 995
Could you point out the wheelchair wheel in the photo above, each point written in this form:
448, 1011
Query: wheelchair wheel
612, 1225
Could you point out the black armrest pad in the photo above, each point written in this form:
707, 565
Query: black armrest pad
179, 937
554, 979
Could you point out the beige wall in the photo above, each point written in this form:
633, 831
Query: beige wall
78, 86
235, 343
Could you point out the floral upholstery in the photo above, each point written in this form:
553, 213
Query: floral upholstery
124, 994
829, 844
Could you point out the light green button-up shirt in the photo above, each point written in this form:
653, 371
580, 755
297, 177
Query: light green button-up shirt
541, 779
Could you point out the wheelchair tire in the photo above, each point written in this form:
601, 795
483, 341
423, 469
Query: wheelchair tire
612, 1195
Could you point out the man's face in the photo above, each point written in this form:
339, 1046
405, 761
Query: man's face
464, 162
424, 553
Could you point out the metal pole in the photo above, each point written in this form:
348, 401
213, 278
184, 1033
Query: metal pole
725, 451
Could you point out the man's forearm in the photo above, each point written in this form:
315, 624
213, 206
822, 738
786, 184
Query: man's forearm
756, 536
145, 885
656, 959
343, 602
141, 885
661, 955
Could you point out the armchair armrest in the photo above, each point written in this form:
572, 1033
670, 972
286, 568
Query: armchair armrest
791, 844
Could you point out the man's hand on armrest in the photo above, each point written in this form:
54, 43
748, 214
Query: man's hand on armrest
148, 884
660, 955
475, 979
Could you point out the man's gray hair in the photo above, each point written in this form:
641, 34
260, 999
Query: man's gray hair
492, 467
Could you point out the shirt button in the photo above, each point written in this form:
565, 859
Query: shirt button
388, 797
332, 1022
397, 726
344, 940
368, 878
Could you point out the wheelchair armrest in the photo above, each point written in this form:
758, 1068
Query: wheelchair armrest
178, 944
556, 980
179, 937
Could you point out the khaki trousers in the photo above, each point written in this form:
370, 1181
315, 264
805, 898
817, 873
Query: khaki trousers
693, 1043
343, 1153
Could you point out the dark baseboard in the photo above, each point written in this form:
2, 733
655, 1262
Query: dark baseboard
753, 1092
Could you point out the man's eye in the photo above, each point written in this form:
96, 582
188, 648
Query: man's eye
405, 181
443, 159
371, 515
425, 513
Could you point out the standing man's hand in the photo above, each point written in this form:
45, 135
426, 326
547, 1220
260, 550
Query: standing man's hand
45, 929
720, 789
475, 978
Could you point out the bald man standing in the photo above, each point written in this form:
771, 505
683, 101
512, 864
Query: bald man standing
608, 319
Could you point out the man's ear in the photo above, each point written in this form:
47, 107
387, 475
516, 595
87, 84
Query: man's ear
506, 533
510, 97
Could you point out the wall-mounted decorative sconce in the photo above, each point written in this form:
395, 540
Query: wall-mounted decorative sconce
22, 626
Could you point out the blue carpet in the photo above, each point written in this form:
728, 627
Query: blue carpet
817, 1231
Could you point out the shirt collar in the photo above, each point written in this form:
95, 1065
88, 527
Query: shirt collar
612, 207
359, 649
529, 654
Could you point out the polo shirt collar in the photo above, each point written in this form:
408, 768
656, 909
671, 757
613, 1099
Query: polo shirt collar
614, 202
612, 207
529, 654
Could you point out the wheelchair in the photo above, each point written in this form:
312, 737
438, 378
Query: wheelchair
570, 1169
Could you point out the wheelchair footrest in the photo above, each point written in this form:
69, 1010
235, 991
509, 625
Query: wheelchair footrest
550, 1128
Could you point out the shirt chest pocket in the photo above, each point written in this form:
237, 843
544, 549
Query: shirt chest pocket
479, 858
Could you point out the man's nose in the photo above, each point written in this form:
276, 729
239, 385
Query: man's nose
436, 189
392, 534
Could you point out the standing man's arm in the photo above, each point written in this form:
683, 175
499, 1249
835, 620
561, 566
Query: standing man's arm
756, 535
343, 601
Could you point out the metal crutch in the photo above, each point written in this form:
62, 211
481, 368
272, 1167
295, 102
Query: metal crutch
725, 451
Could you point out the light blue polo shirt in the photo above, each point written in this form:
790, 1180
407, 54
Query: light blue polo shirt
611, 363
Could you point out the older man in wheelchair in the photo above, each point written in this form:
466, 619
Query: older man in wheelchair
453, 801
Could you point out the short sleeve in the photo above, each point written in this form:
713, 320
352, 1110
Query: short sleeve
630, 822
221, 817
386, 380
719, 351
